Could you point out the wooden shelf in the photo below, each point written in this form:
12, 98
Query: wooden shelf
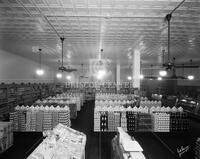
18, 94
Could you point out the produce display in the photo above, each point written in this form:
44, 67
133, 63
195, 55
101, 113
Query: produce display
61, 143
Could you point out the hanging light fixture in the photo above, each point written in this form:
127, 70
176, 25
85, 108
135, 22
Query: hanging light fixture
102, 70
101, 74
59, 74
129, 74
141, 73
40, 71
163, 73
68, 77
191, 76
61, 68
151, 73
129, 78
141, 76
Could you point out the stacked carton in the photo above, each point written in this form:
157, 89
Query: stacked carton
197, 149
144, 122
179, 122
97, 121
111, 121
39, 118
161, 122
124, 121
6, 136
117, 120
131, 121
104, 121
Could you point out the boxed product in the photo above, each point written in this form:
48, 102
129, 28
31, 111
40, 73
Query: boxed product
6, 136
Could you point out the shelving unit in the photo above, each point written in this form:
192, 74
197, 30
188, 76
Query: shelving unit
191, 106
24, 94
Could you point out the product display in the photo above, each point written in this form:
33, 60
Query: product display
126, 147
179, 122
144, 122
73, 101
131, 121
161, 122
157, 97
61, 143
78, 98
39, 118
6, 136
125, 103
150, 103
197, 149
157, 119
113, 96
24, 94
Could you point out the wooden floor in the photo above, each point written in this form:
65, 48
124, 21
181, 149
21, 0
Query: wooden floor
155, 145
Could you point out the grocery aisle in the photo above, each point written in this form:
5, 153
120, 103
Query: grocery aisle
98, 144
84, 123
155, 145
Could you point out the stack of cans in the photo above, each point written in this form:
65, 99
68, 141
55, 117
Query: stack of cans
161, 122
97, 121
104, 121
131, 121
111, 121
6, 136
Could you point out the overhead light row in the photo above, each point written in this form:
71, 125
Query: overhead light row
163, 73
59, 76
190, 77
40, 72
130, 78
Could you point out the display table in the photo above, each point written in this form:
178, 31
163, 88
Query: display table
61, 143
125, 147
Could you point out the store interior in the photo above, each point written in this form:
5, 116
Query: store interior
99, 79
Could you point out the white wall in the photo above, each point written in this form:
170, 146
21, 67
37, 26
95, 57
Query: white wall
14, 68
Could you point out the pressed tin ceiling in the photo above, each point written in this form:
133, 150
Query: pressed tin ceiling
117, 26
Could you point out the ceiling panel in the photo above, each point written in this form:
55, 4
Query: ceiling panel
117, 26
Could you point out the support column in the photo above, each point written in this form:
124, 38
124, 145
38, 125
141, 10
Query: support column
118, 76
136, 69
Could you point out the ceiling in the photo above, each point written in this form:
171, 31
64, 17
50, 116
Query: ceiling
117, 26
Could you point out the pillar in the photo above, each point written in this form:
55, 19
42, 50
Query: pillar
136, 68
118, 76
